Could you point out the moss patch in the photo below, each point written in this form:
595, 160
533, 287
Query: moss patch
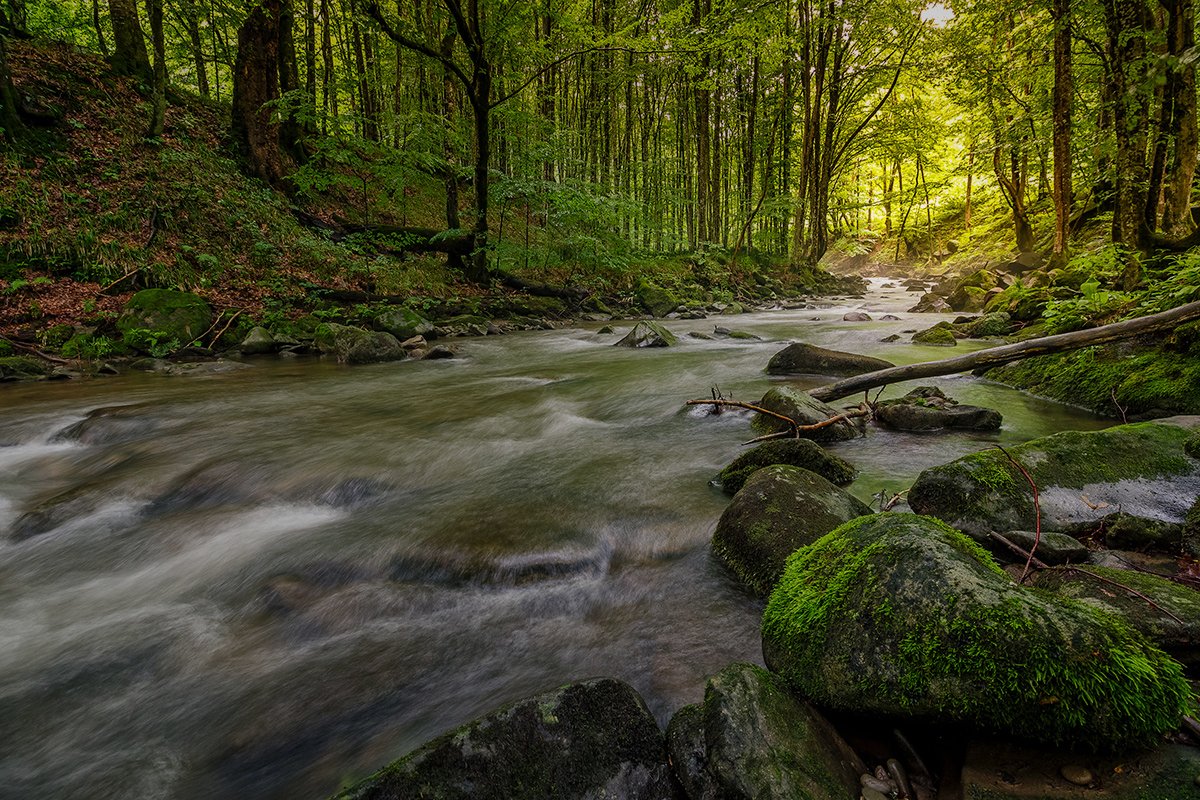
960, 642
794, 452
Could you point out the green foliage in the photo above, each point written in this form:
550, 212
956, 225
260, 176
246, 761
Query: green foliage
93, 348
154, 343
1093, 306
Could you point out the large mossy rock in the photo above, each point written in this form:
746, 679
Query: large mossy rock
258, 342
778, 510
1172, 622
805, 410
940, 335
593, 739
801, 358
168, 314
648, 334
352, 345
22, 368
901, 615
403, 323
655, 299
1081, 477
752, 740
792, 452
926, 408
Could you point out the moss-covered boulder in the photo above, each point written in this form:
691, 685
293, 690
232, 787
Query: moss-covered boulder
940, 335
352, 345
968, 298
22, 368
1021, 302
794, 453
1172, 622
585, 740
804, 410
995, 324
779, 509
655, 299
752, 740
1081, 477
927, 408
648, 334
258, 341
802, 358
902, 615
168, 315
403, 323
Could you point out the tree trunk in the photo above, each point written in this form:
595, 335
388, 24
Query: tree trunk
1125, 22
1181, 170
129, 46
1062, 128
255, 84
11, 126
1007, 353
98, 24
158, 102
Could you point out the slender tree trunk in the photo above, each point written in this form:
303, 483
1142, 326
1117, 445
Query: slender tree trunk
10, 120
1063, 87
970, 178
98, 24
191, 19
158, 102
1125, 22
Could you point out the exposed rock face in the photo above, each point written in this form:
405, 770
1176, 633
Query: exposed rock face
926, 408
803, 358
805, 410
792, 452
169, 315
1081, 477
901, 615
592, 739
648, 334
779, 510
357, 346
752, 740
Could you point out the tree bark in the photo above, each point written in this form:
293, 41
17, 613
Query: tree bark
10, 121
158, 101
99, 26
1063, 86
1007, 353
255, 84
1125, 23
1181, 168
129, 46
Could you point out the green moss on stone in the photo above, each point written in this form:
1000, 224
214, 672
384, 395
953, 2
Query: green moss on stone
960, 642
941, 334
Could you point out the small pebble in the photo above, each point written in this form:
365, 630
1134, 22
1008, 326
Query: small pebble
1076, 774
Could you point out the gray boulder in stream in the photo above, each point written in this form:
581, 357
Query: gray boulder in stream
357, 346
805, 410
593, 739
792, 452
1141, 469
926, 408
779, 509
752, 740
901, 615
801, 358
648, 334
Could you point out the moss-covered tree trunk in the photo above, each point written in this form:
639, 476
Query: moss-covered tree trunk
129, 46
1181, 166
1063, 86
10, 120
158, 103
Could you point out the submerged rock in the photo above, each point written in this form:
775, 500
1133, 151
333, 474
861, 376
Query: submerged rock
926, 408
856, 316
1081, 477
648, 334
585, 740
901, 615
792, 452
752, 740
779, 509
803, 358
805, 410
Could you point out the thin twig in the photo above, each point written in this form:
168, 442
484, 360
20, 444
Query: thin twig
1037, 510
718, 402
1120, 407
214, 340
127, 275
31, 349
1016, 548
795, 433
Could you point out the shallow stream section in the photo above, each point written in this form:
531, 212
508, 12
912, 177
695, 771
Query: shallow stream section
267, 583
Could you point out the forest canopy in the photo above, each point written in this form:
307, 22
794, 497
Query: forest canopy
615, 127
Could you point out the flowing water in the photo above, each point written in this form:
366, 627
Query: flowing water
266, 583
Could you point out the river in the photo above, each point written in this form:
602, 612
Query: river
270, 582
